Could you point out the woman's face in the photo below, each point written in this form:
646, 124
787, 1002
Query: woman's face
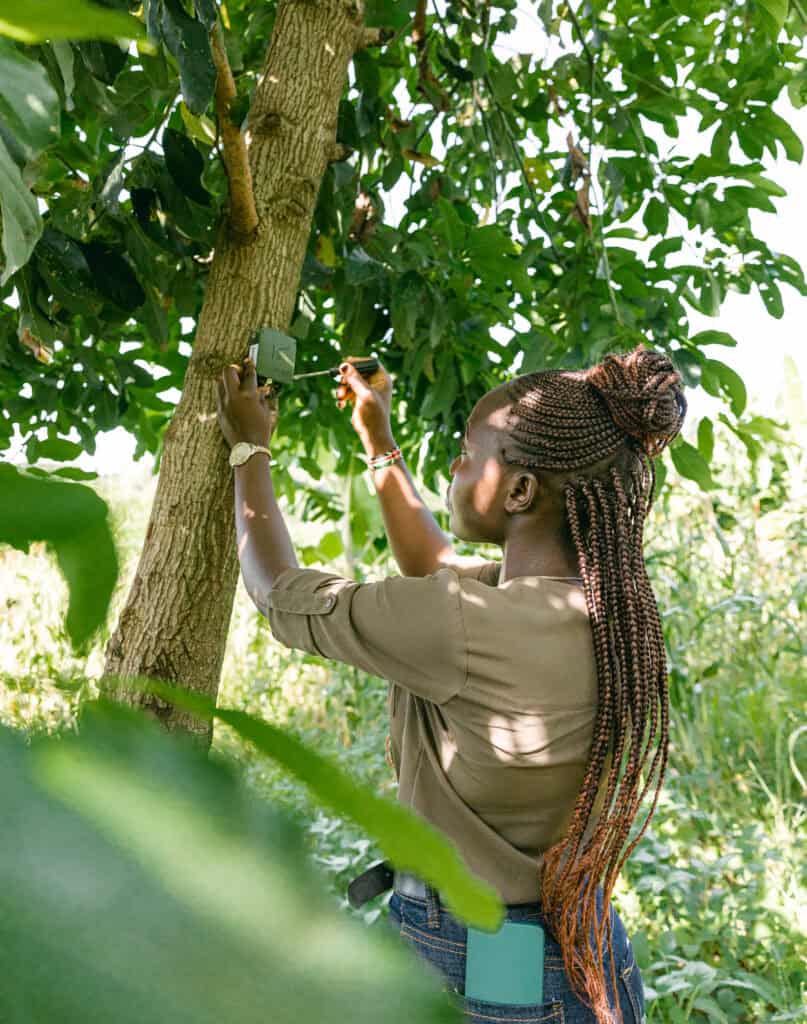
478, 476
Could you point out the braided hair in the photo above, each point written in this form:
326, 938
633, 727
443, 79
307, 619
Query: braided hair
600, 429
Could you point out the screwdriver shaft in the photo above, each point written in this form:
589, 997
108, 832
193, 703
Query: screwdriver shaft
316, 373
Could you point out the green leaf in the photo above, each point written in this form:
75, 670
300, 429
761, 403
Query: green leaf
455, 70
690, 463
797, 90
200, 128
503, 83
28, 102
103, 60
713, 338
716, 377
242, 931
772, 124
363, 314
441, 394
488, 250
661, 477
64, 267
750, 198
706, 438
154, 316
777, 10
450, 225
72, 520
536, 110
656, 216
665, 248
360, 268
478, 61
59, 449
404, 311
113, 277
22, 225
711, 1008
539, 172
710, 294
766, 428
189, 43
388, 13
35, 21
393, 169
410, 842
74, 473
113, 186
63, 52
330, 546
185, 165
772, 298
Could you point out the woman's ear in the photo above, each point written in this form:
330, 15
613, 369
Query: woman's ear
523, 493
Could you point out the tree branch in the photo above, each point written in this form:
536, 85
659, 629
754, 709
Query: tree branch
243, 215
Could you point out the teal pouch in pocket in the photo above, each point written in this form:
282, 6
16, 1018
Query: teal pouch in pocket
506, 966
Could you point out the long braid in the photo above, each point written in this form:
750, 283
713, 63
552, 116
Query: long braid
599, 430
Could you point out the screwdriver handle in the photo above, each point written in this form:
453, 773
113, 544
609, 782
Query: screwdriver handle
366, 367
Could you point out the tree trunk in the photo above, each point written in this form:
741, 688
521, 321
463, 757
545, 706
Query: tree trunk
175, 622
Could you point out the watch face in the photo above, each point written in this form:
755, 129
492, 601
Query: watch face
240, 452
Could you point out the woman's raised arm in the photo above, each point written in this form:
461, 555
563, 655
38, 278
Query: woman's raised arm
419, 545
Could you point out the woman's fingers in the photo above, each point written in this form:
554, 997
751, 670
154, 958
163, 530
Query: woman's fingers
352, 386
231, 378
249, 377
354, 379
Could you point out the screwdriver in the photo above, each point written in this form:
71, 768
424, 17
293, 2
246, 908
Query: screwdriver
366, 367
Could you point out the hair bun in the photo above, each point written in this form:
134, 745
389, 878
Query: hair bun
644, 395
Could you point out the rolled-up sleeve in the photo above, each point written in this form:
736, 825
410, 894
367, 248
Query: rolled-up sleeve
408, 629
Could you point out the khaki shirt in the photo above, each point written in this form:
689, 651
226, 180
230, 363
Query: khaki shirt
492, 699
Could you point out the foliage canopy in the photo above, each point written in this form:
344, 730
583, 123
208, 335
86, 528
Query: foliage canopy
543, 195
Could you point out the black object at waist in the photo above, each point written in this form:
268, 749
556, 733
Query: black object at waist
382, 876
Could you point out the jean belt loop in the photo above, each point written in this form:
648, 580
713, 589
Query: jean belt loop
432, 908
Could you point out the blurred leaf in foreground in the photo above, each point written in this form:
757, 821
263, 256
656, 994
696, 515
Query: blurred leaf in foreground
38, 20
142, 881
409, 841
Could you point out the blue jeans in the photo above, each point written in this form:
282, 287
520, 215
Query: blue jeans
439, 939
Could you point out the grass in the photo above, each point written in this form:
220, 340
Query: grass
715, 895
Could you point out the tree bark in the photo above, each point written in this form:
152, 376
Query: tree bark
175, 622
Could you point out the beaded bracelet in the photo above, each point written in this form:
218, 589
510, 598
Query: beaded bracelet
385, 459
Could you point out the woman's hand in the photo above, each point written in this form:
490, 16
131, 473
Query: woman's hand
372, 398
245, 411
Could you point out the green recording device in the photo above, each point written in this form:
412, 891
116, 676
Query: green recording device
506, 966
274, 355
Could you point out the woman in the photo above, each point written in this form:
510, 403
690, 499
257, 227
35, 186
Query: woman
527, 696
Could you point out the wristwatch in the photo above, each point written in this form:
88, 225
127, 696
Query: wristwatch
242, 450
